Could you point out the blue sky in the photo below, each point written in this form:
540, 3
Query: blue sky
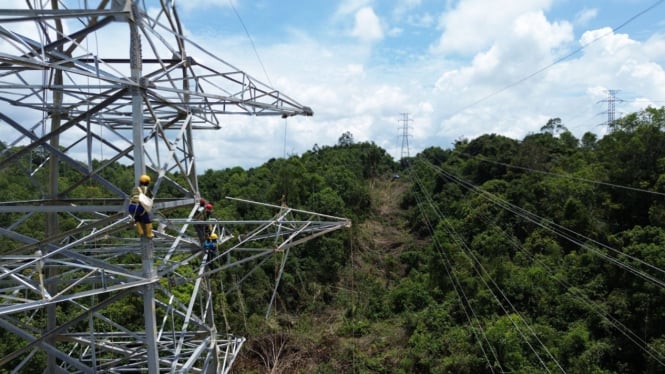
460, 69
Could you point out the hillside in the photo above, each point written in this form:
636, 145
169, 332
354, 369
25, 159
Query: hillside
297, 343
532, 256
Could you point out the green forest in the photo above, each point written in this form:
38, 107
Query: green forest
491, 255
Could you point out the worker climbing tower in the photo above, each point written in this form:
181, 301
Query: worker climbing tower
84, 87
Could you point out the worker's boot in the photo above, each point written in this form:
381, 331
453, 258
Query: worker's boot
139, 228
148, 231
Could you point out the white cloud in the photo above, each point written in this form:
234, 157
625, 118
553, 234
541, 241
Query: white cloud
196, 5
476, 24
404, 6
545, 35
654, 48
526, 47
381, 100
486, 62
348, 7
395, 31
605, 42
355, 70
367, 26
585, 15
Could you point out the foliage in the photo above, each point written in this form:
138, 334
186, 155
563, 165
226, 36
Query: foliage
536, 255
514, 266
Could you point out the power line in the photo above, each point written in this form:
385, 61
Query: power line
251, 41
561, 59
578, 239
484, 159
465, 302
482, 273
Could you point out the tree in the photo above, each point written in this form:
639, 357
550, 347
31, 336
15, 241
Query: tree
553, 126
345, 140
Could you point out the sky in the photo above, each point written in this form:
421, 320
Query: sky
446, 70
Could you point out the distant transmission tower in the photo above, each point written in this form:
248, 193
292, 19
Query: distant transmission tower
405, 135
611, 107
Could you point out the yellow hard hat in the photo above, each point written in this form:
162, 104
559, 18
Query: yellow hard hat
144, 179
213, 236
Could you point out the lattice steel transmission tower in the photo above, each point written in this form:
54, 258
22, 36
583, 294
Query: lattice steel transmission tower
404, 135
611, 107
83, 79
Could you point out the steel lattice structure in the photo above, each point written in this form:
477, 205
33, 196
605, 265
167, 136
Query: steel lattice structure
67, 94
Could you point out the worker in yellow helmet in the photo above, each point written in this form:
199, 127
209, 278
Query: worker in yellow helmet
137, 208
210, 246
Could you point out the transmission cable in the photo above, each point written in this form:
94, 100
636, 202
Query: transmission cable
457, 284
485, 159
482, 274
251, 41
559, 60
480, 270
530, 217
552, 226
585, 300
